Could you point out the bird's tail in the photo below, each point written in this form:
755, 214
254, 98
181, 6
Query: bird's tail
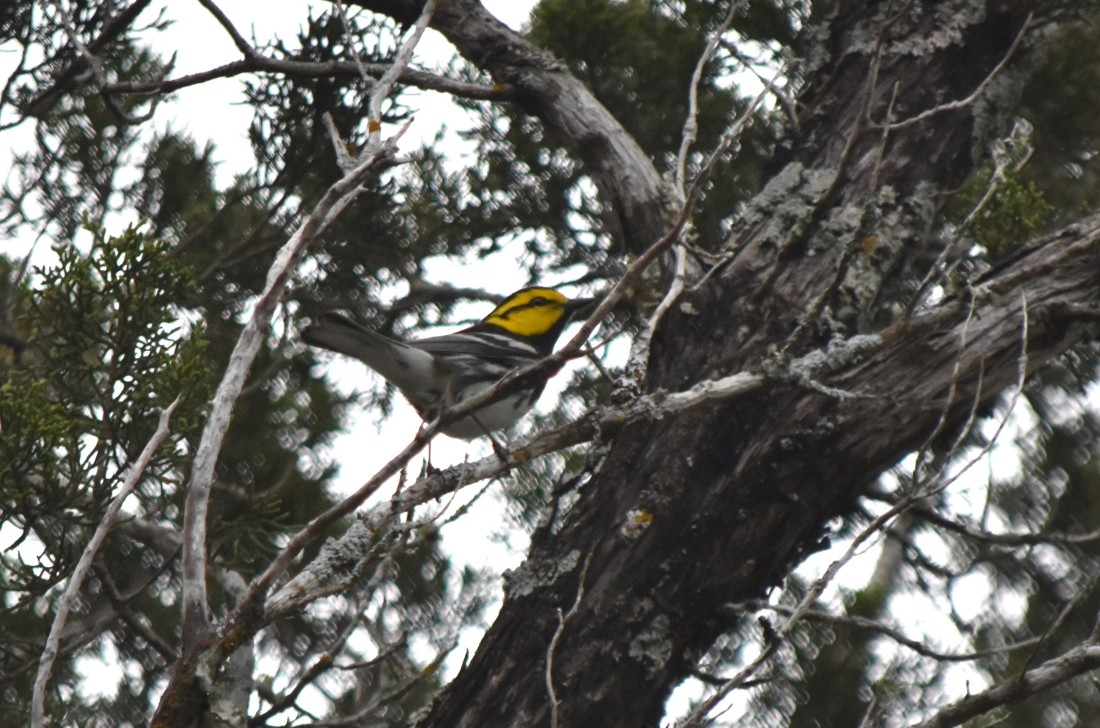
405, 366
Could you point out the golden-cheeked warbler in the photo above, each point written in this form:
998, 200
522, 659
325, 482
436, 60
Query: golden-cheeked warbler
444, 370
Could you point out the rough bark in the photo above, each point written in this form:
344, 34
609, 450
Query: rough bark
740, 491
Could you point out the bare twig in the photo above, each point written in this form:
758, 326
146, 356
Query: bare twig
916, 646
351, 41
639, 350
969, 99
1021, 377
322, 664
243, 45
734, 131
388, 697
64, 78
76, 580
1070, 664
1003, 163
345, 159
563, 619
941, 423
691, 123
95, 66
997, 539
400, 62
121, 604
782, 97
869, 713
309, 69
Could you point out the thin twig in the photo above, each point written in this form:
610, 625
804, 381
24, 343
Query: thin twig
688, 136
916, 646
76, 580
735, 129
309, 69
243, 45
1021, 377
322, 664
869, 713
691, 123
991, 538
121, 605
350, 38
1070, 664
400, 62
1002, 163
941, 423
970, 98
63, 78
639, 351
563, 619
95, 67
780, 95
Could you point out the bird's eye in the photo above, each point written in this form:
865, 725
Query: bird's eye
539, 301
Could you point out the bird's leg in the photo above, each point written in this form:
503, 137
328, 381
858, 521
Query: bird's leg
501, 450
445, 403
427, 469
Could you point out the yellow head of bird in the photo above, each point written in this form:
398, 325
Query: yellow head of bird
529, 312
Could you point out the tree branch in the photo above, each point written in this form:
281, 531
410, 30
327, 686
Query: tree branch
311, 69
1067, 666
243, 45
76, 580
543, 87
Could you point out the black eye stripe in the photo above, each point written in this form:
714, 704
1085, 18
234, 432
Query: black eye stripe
536, 302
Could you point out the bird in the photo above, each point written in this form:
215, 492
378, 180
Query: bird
441, 371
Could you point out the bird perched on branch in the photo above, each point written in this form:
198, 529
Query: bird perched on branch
442, 371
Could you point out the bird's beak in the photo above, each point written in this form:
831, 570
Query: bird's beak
581, 308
